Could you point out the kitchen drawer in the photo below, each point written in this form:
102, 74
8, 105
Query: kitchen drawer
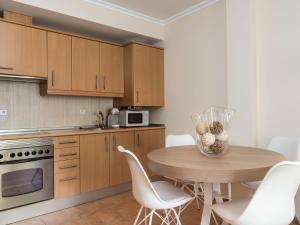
66, 166
66, 184
61, 154
66, 142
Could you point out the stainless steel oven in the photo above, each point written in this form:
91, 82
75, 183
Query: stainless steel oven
26, 171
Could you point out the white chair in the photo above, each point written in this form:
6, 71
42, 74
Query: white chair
159, 195
273, 202
182, 140
289, 147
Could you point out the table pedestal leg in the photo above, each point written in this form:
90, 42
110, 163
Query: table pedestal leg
208, 199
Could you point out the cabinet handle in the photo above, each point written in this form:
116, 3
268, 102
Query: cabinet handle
106, 144
52, 77
65, 155
114, 143
68, 179
138, 140
6, 68
97, 81
104, 82
67, 167
67, 142
137, 96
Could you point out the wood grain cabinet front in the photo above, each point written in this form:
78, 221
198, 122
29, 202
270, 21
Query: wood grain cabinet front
94, 161
111, 69
119, 169
23, 50
67, 183
147, 141
85, 65
144, 76
59, 61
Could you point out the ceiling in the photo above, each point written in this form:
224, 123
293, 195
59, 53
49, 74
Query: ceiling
158, 9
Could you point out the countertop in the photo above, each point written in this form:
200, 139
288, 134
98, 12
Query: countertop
59, 132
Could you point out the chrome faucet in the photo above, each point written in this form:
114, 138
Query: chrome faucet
100, 120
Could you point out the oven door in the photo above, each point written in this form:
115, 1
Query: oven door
25, 182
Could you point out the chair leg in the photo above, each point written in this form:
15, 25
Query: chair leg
176, 217
150, 218
138, 216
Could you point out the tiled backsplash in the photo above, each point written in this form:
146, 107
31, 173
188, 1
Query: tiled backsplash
27, 109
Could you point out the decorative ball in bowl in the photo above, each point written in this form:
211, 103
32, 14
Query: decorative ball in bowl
212, 130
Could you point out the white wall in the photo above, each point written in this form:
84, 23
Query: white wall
195, 67
102, 15
278, 44
241, 70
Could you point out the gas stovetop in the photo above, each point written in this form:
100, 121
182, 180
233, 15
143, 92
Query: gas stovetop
22, 149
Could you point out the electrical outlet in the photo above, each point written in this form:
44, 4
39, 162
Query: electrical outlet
3, 112
82, 112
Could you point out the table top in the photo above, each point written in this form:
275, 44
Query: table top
237, 165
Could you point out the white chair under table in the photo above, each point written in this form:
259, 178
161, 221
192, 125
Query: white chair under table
289, 147
182, 140
272, 204
158, 195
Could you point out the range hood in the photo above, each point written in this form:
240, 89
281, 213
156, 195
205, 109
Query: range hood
30, 79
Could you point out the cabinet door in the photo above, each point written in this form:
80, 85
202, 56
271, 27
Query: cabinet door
85, 65
23, 50
111, 68
59, 61
148, 67
94, 161
119, 169
147, 141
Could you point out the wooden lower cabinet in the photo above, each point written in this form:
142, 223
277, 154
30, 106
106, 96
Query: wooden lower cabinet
91, 161
66, 166
119, 169
94, 161
147, 141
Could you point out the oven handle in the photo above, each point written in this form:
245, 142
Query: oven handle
25, 160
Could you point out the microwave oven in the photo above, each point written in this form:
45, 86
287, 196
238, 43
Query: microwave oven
130, 118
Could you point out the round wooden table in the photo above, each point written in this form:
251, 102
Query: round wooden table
237, 165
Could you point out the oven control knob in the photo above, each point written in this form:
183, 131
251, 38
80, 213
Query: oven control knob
26, 153
1, 156
33, 152
20, 154
12, 155
40, 152
47, 151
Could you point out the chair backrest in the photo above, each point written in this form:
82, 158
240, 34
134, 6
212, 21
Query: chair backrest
180, 140
142, 188
287, 146
273, 202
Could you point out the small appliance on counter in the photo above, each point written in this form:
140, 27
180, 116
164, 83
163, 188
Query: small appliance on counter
134, 118
113, 118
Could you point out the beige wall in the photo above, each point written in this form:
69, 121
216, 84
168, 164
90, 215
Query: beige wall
241, 70
278, 44
195, 67
101, 15
27, 109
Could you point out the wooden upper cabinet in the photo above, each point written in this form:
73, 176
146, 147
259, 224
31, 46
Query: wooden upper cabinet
147, 141
119, 169
94, 161
111, 68
59, 61
85, 65
23, 50
144, 76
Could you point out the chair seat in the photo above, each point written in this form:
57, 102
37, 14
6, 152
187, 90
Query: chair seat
230, 211
170, 193
252, 185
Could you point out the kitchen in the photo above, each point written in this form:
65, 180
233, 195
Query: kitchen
84, 83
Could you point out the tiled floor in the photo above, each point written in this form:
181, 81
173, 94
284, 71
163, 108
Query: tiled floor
117, 210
